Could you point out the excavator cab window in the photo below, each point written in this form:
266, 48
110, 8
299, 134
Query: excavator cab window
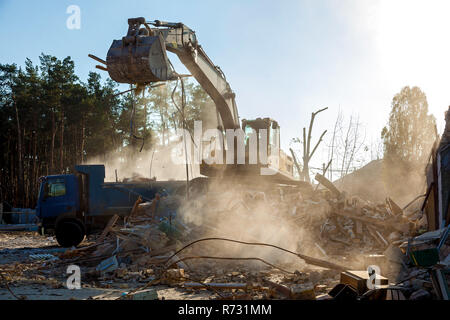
274, 134
254, 126
274, 137
248, 132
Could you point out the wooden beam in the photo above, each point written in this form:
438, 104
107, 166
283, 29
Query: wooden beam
327, 184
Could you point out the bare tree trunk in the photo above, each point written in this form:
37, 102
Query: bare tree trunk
333, 145
296, 163
350, 145
352, 152
305, 157
145, 118
13, 176
52, 147
61, 148
307, 153
163, 127
27, 168
83, 137
344, 158
34, 163
20, 187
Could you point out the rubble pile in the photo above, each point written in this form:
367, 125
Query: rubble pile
257, 243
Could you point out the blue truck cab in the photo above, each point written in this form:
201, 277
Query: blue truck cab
72, 206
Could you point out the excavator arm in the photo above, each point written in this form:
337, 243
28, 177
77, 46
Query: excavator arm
140, 58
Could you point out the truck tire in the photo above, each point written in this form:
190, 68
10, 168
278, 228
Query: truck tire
69, 233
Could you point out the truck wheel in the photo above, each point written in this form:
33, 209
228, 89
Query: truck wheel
69, 233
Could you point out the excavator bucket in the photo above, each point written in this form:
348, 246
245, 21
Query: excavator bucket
140, 57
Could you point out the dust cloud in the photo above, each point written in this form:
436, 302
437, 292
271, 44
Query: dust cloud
380, 179
155, 163
256, 212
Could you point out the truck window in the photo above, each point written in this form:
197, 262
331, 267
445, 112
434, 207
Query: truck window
55, 188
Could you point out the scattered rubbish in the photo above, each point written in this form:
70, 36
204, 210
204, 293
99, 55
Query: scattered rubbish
108, 265
18, 227
420, 294
149, 294
43, 256
303, 292
223, 286
359, 279
158, 244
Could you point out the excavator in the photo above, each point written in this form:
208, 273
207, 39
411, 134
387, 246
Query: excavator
77, 204
140, 59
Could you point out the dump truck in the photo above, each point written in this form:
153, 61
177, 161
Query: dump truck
71, 206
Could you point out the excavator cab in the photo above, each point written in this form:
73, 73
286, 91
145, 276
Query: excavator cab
272, 136
139, 57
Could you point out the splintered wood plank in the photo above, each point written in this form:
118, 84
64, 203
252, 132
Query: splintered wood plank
107, 229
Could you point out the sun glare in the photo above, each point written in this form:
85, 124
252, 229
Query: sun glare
413, 47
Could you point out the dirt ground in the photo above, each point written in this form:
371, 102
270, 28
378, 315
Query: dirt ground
35, 279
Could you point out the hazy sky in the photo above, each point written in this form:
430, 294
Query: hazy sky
284, 59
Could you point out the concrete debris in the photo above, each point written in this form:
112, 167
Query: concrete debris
316, 242
108, 265
221, 286
149, 294
420, 294
303, 292
173, 276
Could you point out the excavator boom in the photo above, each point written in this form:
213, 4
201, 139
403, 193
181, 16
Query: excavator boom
140, 58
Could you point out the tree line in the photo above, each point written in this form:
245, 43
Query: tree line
51, 120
